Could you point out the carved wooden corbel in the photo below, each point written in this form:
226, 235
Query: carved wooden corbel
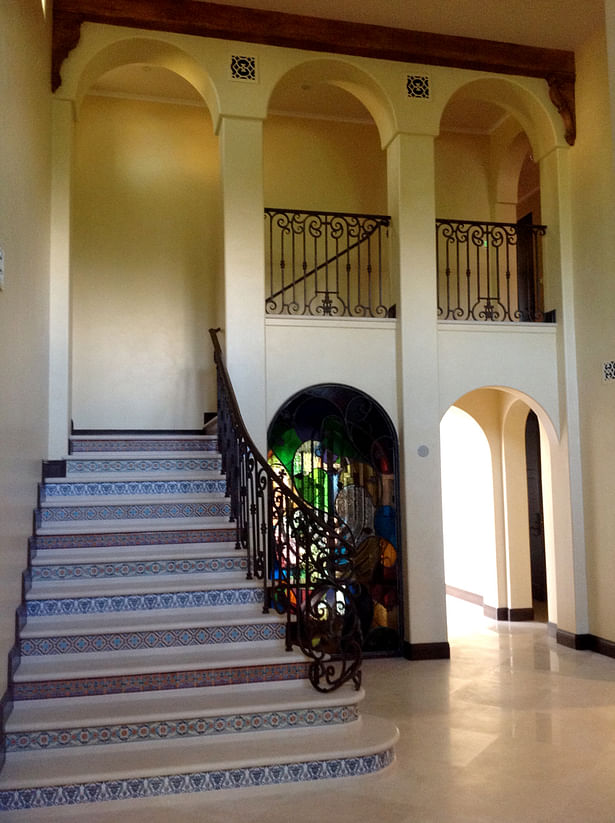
561, 92
66, 33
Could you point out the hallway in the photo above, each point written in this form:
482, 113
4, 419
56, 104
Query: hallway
514, 729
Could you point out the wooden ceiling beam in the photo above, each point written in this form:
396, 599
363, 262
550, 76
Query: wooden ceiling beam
271, 28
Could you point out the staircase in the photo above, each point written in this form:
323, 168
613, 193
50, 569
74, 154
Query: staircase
145, 664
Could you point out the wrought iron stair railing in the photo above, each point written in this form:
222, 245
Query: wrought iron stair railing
304, 562
489, 271
327, 264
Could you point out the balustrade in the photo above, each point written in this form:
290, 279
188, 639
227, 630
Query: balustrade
489, 271
306, 564
327, 264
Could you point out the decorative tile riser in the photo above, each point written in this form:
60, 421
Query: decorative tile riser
55, 491
125, 539
168, 785
143, 602
148, 511
78, 446
159, 681
142, 465
151, 639
181, 728
149, 568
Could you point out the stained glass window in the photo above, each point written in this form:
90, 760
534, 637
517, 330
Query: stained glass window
337, 449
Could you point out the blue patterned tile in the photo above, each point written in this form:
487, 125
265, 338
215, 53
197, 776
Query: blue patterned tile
168, 785
54, 491
142, 465
153, 639
135, 511
151, 601
139, 568
121, 444
181, 728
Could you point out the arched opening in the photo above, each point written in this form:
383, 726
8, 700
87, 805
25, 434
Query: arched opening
495, 504
339, 451
324, 179
145, 250
486, 173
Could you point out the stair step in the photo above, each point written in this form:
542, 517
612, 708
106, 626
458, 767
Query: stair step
179, 667
207, 506
234, 595
100, 466
138, 562
86, 590
164, 444
130, 718
211, 483
145, 630
198, 764
133, 534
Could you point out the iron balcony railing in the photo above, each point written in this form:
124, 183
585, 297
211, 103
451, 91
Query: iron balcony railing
327, 264
306, 564
489, 271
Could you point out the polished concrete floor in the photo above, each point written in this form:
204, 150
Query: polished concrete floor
514, 729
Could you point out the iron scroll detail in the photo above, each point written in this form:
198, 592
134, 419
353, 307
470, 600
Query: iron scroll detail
305, 562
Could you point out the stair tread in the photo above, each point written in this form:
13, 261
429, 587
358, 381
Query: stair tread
78, 501
176, 658
109, 586
169, 475
138, 525
145, 454
146, 620
111, 554
366, 736
74, 712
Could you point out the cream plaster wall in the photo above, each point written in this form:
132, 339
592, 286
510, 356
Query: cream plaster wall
324, 165
145, 264
462, 176
474, 355
25, 130
357, 353
593, 215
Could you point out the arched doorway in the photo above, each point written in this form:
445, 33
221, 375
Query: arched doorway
339, 451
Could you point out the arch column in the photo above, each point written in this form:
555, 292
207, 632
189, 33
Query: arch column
565, 456
59, 290
241, 148
411, 176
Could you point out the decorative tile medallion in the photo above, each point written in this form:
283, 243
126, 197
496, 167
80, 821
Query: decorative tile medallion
139, 568
608, 371
151, 639
159, 681
183, 728
168, 785
243, 68
418, 86
152, 601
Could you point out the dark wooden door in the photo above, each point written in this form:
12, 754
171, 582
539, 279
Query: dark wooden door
535, 509
526, 276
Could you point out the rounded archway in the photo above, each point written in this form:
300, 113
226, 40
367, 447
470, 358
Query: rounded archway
145, 242
338, 450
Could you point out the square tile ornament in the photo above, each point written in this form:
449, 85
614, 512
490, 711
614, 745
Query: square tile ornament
243, 68
418, 86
